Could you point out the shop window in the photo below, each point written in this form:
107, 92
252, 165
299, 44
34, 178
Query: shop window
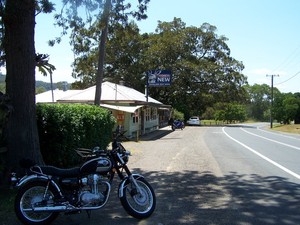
153, 113
135, 118
147, 114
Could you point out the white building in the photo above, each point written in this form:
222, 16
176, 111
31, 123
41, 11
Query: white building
132, 111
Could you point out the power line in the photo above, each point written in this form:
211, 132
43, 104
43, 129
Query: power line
288, 60
288, 78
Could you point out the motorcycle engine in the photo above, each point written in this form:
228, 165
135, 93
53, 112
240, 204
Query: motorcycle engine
93, 190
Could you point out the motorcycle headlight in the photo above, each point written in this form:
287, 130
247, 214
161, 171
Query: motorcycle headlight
13, 179
125, 156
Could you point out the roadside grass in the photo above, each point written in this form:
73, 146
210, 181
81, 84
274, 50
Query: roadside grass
211, 123
221, 123
289, 128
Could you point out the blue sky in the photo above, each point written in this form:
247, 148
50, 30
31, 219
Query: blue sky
263, 34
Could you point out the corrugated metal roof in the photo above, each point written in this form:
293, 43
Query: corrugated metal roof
46, 97
110, 92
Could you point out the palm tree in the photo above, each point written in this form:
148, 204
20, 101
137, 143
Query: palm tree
44, 67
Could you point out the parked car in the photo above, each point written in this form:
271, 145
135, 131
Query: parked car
194, 120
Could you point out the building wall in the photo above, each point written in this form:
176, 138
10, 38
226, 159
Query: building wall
146, 115
151, 119
132, 122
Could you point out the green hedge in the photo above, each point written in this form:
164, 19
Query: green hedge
65, 127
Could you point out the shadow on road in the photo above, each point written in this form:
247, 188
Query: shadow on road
190, 197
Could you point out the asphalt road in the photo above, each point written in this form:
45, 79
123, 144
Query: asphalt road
252, 149
261, 170
212, 175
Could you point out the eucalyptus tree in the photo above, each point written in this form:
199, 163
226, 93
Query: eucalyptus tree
285, 107
203, 70
123, 61
259, 101
85, 29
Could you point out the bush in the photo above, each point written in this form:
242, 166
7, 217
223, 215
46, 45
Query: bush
65, 127
230, 112
178, 115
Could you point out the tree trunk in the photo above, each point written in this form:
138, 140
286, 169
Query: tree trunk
23, 141
99, 77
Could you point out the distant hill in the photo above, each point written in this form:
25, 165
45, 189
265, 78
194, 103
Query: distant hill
46, 85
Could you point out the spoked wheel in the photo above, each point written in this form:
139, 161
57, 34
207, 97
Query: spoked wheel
139, 205
31, 195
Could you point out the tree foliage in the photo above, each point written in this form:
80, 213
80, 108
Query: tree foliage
176, 115
41, 6
259, 101
105, 13
230, 112
297, 117
285, 107
203, 70
43, 65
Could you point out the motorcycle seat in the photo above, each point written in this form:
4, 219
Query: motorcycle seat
55, 171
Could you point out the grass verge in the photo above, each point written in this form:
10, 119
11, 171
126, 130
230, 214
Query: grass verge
289, 128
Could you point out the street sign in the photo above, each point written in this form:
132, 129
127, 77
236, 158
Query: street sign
159, 78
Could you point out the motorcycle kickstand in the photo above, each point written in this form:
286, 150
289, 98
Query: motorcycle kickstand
89, 212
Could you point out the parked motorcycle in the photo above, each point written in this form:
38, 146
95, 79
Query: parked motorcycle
47, 191
177, 124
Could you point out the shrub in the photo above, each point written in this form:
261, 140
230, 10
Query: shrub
65, 127
178, 115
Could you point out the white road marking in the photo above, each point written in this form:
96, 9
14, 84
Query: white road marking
278, 142
278, 133
263, 157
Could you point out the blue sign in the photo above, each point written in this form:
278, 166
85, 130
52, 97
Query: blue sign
159, 78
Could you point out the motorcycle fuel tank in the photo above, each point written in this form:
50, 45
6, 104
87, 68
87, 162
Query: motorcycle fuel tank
98, 165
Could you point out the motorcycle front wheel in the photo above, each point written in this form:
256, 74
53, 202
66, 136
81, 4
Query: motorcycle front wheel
33, 194
139, 205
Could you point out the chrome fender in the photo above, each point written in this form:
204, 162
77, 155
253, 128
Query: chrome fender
28, 178
123, 183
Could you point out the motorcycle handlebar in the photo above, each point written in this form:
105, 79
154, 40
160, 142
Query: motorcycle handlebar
87, 153
98, 151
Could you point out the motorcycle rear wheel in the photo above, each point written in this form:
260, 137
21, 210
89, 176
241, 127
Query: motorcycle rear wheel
30, 194
139, 205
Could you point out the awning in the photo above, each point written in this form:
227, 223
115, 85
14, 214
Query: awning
130, 109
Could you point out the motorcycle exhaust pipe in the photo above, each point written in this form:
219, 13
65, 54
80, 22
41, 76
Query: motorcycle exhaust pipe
59, 208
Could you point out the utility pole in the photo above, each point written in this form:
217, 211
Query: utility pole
271, 110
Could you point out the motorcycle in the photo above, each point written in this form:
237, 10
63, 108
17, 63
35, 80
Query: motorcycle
46, 191
177, 124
